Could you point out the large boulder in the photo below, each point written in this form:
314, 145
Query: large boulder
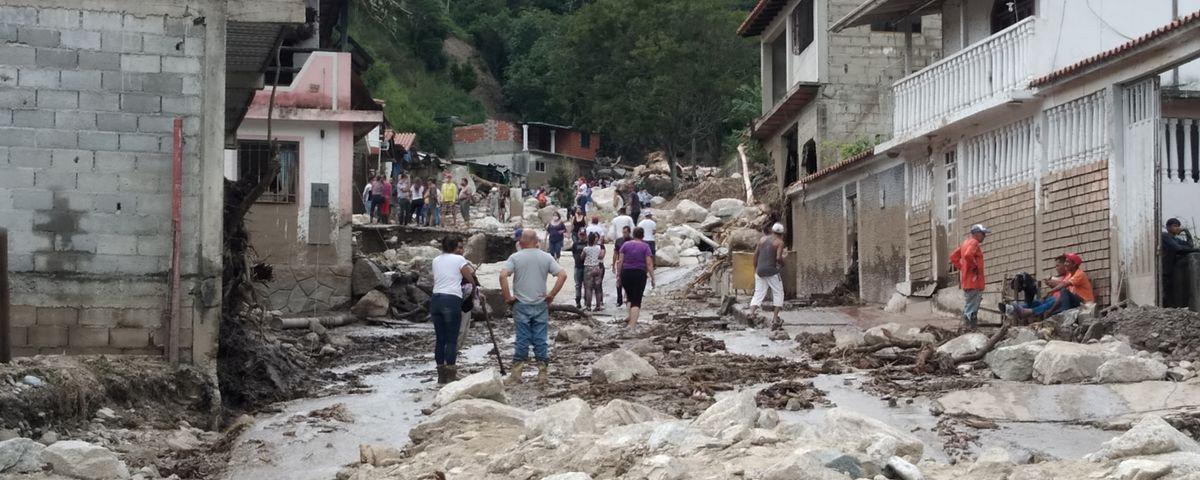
736, 410
667, 256
683, 232
743, 239
1014, 362
727, 208
489, 224
560, 421
1067, 362
711, 223
621, 412
365, 277
79, 459
475, 250
1151, 436
994, 463
1130, 370
964, 345
860, 433
486, 384
904, 470
574, 333
414, 253
607, 199
20, 455
1140, 469
688, 211
620, 365
463, 413
880, 334
657, 200
546, 214
374, 304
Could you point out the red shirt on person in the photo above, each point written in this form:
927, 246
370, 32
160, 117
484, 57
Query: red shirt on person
968, 259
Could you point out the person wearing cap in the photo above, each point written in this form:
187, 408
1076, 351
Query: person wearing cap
968, 259
1071, 289
768, 261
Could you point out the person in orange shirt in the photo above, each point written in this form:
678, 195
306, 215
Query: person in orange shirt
968, 259
1071, 289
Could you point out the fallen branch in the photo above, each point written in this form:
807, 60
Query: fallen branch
746, 174
991, 344
304, 322
571, 309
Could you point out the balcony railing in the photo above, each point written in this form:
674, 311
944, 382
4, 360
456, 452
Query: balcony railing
963, 81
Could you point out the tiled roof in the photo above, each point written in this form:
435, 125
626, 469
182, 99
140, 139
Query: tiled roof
1116, 52
761, 16
832, 169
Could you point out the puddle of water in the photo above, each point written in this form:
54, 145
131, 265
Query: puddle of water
384, 416
752, 342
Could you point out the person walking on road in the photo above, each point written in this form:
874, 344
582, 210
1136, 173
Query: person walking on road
648, 225
417, 193
768, 261
578, 243
445, 305
529, 268
968, 259
636, 265
593, 265
623, 236
466, 196
403, 199
449, 197
555, 234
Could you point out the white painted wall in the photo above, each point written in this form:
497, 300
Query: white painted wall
319, 163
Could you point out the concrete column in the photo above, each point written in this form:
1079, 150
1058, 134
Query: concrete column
212, 189
552, 135
524, 138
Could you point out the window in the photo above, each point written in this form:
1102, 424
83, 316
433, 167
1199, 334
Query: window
810, 157
585, 139
802, 26
778, 68
1005, 13
951, 185
885, 26
253, 158
539, 166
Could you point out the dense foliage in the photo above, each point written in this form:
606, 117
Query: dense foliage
645, 74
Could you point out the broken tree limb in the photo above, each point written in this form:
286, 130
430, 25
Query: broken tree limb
304, 322
746, 174
570, 309
991, 344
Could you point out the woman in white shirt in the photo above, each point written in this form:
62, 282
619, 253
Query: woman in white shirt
450, 269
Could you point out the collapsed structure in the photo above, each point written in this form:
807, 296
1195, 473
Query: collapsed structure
1080, 151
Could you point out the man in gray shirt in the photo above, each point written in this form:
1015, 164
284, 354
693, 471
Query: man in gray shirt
531, 304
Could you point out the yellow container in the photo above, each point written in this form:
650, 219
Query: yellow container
743, 271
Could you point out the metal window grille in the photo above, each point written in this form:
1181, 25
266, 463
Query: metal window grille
254, 157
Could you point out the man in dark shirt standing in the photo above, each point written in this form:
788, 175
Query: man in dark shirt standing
1174, 249
577, 256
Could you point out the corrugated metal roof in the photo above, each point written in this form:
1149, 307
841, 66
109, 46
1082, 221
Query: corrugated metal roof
760, 17
1139, 43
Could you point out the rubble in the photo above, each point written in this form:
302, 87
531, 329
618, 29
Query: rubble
20, 455
80, 459
1130, 369
1152, 435
486, 384
560, 421
887, 332
688, 211
1172, 331
373, 304
622, 412
621, 365
469, 411
1139, 469
727, 208
738, 410
1014, 362
964, 345
574, 333
366, 277
667, 256
1067, 362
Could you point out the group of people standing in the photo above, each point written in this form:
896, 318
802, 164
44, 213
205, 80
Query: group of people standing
422, 202
589, 252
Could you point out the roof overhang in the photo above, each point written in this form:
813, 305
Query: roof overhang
845, 164
547, 125
873, 11
760, 17
800, 95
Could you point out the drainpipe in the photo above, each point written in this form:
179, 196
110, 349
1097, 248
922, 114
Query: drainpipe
176, 237
5, 332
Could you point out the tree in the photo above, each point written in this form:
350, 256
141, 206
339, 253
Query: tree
655, 73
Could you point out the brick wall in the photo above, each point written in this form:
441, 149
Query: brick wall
570, 143
881, 234
920, 244
856, 100
87, 101
1075, 219
1009, 214
820, 242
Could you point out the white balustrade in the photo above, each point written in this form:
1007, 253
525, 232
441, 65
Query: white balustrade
921, 193
961, 82
1181, 150
999, 158
1077, 132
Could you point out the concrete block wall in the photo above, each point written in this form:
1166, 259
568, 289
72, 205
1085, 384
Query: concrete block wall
882, 229
1011, 247
857, 93
820, 242
87, 103
920, 244
1074, 218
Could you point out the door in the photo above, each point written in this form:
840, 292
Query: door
851, 206
1137, 207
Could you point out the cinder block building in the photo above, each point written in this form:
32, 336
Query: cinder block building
533, 151
827, 100
98, 101
1046, 121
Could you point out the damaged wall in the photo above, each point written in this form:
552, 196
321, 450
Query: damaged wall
87, 105
882, 229
819, 243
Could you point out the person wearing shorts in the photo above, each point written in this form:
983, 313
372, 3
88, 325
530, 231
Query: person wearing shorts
636, 266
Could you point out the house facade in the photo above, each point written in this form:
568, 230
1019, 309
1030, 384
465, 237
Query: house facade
301, 224
101, 103
1060, 125
534, 151
827, 98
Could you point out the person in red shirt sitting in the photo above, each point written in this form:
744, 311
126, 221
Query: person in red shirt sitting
1070, 289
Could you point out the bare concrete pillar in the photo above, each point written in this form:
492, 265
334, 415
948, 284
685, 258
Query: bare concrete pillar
524, 138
